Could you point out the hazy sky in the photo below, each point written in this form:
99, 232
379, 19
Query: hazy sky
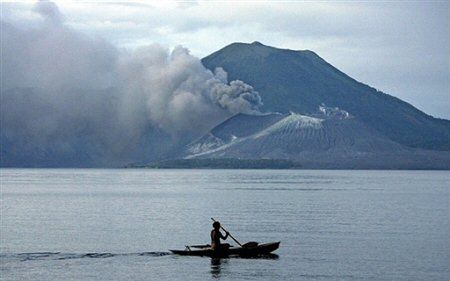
399, 48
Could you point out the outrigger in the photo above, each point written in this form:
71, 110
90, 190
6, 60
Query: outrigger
244, 251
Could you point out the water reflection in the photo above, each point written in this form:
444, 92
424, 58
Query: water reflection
216, 266
218, 263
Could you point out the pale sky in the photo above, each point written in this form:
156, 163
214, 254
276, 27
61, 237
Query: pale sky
400, 48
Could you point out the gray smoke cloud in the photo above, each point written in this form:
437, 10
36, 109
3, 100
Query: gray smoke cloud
179, 93
72, 97
49, 11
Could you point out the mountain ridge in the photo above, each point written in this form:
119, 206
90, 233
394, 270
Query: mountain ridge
313, 113
299, 81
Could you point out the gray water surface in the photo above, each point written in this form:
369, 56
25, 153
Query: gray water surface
73, 224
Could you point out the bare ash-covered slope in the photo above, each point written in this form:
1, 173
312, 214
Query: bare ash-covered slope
300, 81
319, 141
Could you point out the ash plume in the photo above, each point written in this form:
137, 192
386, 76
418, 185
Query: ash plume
79, 99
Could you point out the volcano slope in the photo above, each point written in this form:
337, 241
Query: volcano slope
317, 141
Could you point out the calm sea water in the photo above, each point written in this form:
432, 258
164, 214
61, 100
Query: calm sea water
119, 224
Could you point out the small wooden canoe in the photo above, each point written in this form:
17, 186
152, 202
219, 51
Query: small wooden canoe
246, 251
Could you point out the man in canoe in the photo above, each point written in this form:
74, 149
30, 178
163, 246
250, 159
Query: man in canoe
216, 235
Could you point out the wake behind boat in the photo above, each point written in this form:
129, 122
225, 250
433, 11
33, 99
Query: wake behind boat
244, 251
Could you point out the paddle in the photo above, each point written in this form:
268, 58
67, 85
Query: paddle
246, 245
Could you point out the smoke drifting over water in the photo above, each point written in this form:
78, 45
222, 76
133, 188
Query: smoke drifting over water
71, 97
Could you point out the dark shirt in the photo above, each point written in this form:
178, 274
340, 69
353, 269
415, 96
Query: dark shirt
216, 235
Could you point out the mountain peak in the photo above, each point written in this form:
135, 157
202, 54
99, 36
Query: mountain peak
256, 49
248, 47
257, 43
301, 81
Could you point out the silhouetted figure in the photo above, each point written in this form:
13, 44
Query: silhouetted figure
216, 235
